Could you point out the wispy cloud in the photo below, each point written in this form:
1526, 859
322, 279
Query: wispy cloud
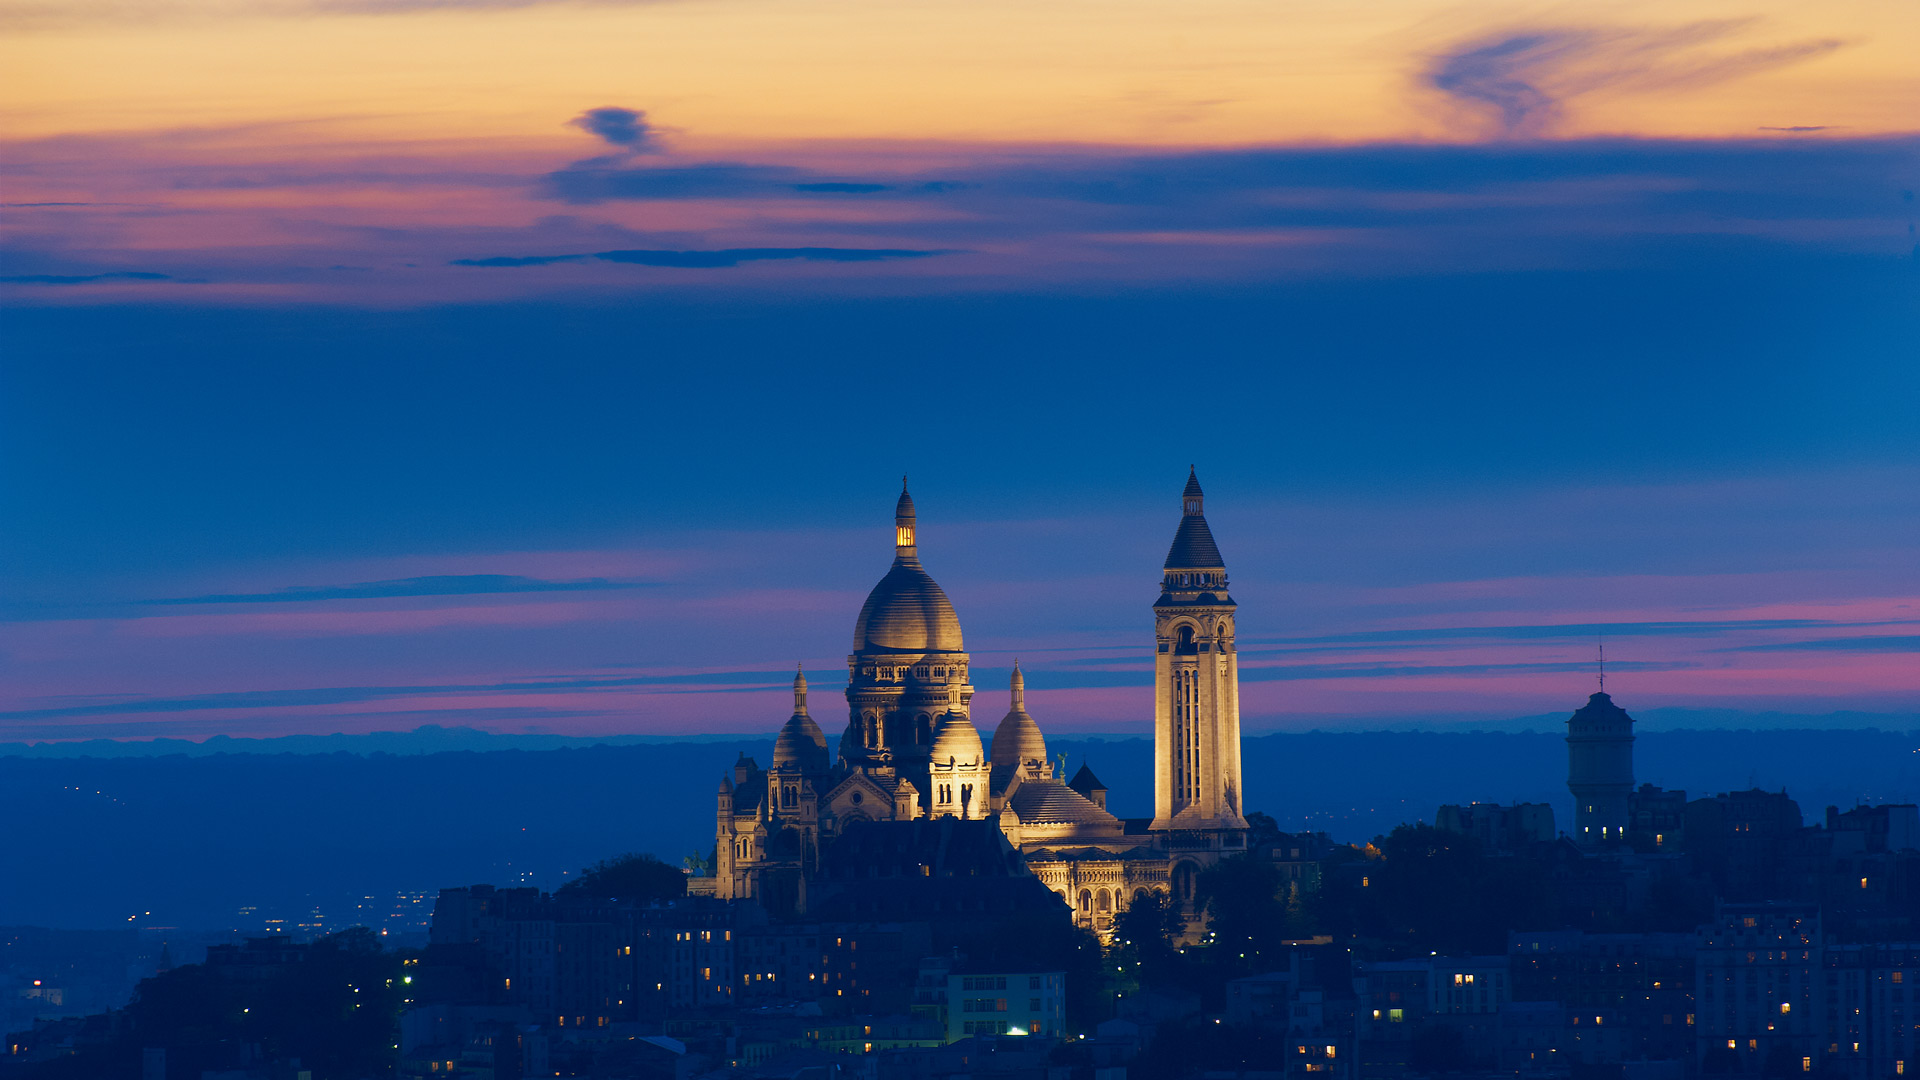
708, 260
691, 682
432, 585
1524, 79
1881, 643
83, 279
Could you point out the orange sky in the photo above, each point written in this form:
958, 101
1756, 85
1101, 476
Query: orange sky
1123, 71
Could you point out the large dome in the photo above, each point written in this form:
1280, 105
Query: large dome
907, 612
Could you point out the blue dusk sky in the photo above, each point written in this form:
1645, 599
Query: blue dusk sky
575, 397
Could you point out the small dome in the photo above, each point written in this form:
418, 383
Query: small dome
800, 743
1017, 740
907, 612
955, 739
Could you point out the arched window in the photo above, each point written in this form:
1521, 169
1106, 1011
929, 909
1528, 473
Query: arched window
1139, 896
1086, 900
1183, 640
923, 729
1183, 881
1104, 900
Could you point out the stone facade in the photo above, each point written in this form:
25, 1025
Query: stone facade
910, 750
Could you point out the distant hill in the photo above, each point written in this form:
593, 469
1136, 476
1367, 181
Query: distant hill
194, 838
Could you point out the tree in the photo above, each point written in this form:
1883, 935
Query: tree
1261, 829
1246, 918
1422, 888
642, 878
1143, 952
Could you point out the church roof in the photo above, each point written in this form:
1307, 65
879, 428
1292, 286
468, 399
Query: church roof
1050, 802
1599, 709
1018, 739
1193, 547
956, 739
907, 612
1091, 854
1085, 782
800, 742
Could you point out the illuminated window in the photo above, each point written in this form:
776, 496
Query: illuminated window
1863, 883
1785, 1008
1806, 1064
1396, 1015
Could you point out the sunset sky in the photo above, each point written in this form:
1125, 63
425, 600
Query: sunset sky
551, 366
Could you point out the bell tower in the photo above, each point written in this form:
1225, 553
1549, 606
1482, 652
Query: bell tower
1196, 684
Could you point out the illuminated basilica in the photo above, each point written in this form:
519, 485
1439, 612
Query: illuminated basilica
911, 750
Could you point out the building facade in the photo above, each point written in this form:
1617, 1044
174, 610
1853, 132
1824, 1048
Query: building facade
911, 750
1600, 770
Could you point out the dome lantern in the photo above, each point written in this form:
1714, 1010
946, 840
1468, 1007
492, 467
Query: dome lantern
903, 522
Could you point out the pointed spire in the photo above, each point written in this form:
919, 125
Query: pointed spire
799, 691
1603, 665
1193, 547
903, 525
1018, 684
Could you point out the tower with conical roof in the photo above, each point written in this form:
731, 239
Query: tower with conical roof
1600, 770
1196, 678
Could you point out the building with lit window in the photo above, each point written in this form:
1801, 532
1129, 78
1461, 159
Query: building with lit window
1759, 986
1600, 770
1006, 1003
1500, 830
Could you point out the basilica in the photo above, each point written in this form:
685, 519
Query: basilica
911, 749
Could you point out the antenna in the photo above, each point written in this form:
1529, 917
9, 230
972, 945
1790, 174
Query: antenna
1603, 663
